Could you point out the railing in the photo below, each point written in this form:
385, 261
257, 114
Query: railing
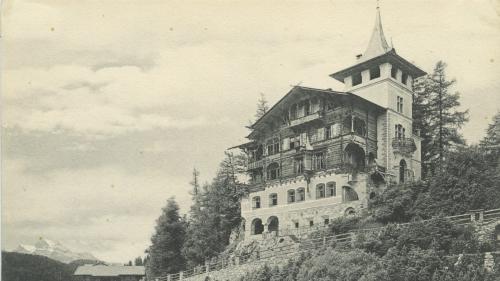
404, 145
307, 243
255, 164
306, 119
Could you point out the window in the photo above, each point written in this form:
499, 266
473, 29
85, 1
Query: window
301, 194
374, 72
293, 112
359, 127
399, 104
273, 199
273, 171
328, 132
311, 223
404, 78
327, 221
394, 72
320, 191
256, 202
331, 189
399, 132
273, 146
291, 196
296, 225
319, 161
307, 107
298, 165
356, 79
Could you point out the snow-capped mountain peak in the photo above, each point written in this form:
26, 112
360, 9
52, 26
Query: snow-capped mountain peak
53, 250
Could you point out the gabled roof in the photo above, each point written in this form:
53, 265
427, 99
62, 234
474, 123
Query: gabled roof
296, 90
109, 270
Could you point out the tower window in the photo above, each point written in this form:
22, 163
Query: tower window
374, 72
399, 104
356, 79
404, 78
394, 72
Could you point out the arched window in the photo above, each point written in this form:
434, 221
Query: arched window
256, 202
273, 199
374, 72
301, 194
320, 191
257, 227
291, 196
273, 171
399, 131
350, 211
331, 189
349, 194
402, 170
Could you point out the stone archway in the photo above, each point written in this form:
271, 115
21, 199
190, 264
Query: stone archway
272, 224
349, 194
257, 227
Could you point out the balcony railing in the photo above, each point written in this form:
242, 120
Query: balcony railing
404, 145
255, 164
306, 119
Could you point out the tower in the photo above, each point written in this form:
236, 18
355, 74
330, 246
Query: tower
383, 77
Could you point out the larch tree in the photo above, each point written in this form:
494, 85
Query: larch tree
165, 254
436, 115
262, 106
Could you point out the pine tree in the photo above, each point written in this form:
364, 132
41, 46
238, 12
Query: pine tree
166, 244
437, 117
262, 106
490, 144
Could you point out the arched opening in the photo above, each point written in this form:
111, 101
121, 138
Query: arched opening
273, 171
348, 194
272, 224
301, 194
354, 155
273, 199
291, 196
350, 211
320, 191
402, 170
257, 227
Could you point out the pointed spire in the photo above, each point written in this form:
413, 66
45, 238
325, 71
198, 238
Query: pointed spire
377, 45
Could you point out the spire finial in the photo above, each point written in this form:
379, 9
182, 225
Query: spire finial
378, 4
377, 44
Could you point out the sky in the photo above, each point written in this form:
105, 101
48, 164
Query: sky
107, 106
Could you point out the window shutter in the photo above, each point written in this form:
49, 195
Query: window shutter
334, 129
286, 144
321, 134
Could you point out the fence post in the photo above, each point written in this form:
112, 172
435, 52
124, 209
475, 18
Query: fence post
237, 260
181, 275
353, 238
207, 266
169, 277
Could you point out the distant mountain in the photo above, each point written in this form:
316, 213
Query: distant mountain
53, 250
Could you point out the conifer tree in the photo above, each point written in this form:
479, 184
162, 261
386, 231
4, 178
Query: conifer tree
436, 115
262, 106
167, 241
138, 261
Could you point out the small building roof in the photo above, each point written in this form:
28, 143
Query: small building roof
109, 270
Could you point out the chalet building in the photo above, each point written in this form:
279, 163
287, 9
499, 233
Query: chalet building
318, 154
103, 272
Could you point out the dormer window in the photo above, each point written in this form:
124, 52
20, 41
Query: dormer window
374, 72
356, 79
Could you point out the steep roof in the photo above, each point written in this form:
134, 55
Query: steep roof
377, 45
109, 270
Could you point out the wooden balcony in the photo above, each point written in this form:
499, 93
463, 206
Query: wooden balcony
305, 120
255, 164
404, 146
